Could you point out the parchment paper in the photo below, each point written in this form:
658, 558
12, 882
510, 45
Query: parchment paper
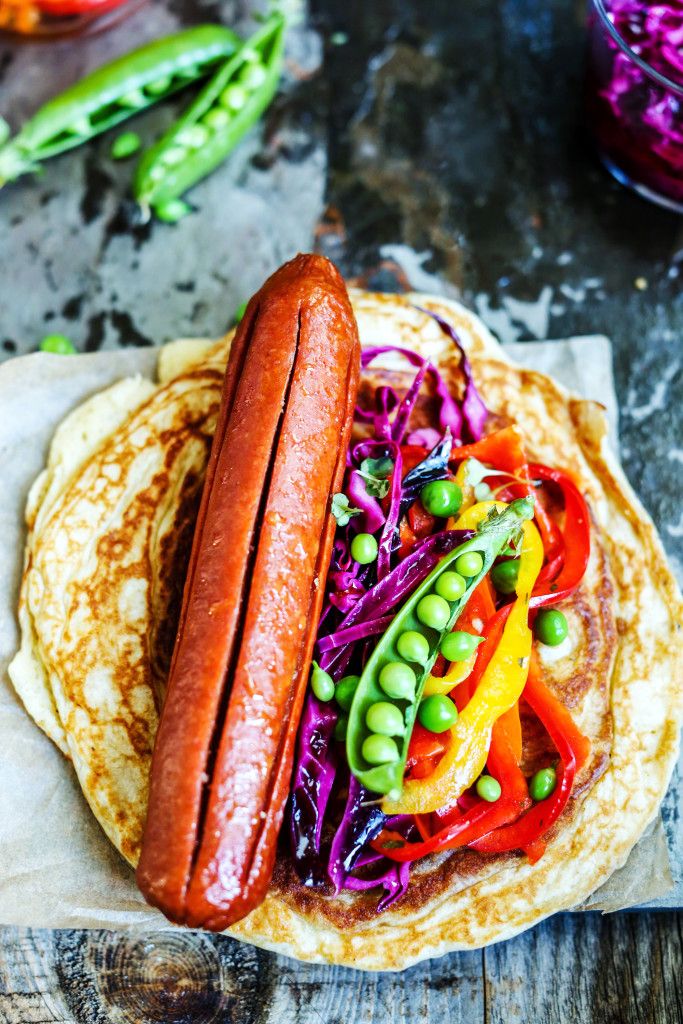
56, 867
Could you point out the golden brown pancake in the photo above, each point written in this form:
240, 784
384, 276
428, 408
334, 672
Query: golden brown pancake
106, 553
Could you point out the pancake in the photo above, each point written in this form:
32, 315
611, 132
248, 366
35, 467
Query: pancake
109, 525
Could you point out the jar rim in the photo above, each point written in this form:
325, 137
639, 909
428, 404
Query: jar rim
663, 80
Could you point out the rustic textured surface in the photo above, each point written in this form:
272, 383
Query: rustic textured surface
454, 135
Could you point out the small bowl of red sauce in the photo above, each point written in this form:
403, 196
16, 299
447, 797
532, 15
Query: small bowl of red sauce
634, 94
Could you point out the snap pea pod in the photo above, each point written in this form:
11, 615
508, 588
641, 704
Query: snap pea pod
225, 109
115, 92
387, 778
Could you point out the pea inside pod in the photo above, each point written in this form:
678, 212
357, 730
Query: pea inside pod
226, 108
392, 655
115, 92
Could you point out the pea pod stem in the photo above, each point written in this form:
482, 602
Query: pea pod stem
159, 176
493, 534
101, 100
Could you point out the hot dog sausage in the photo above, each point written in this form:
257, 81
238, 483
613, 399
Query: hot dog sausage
262, 546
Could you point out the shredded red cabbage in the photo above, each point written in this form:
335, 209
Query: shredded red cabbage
361, 822
449, 412
353, 634
474, 412
314, 773
637, 117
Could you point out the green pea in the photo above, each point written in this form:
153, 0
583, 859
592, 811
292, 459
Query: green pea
340, 728
379, 749
504, 576
543, 784
450, 585
345, 690
253, 76
81, 126
190, 71
413, 646
233, 97
441, 498
322, 683
364, 548
398, 681
437, 712
459, 646
172, 211
433, 611
385, 719
550, 627
488, 788
216, 119
133, 99
194, 136
159, 86
125, 145
469, 564
58, 344
249, 55
173, 156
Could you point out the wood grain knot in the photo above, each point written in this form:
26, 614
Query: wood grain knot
163, 978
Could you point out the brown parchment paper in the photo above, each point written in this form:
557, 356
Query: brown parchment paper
57, 869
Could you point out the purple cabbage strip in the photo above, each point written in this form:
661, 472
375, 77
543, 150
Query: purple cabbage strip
373, 517
353, 634
449, 412
408, 404
361, 822
474, 411
427, 437
315, 769
374, 449
386, 541
396, 585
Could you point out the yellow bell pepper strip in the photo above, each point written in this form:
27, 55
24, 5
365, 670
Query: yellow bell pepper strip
499, 689
458, 671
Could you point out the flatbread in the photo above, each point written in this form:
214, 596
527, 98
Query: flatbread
620, 674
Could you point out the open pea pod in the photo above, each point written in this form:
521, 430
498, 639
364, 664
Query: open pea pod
492, 536
113, 93
226, 108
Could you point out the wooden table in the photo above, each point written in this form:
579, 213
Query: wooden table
452, 135
572, 969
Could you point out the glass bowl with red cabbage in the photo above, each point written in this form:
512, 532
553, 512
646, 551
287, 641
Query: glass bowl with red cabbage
634, 94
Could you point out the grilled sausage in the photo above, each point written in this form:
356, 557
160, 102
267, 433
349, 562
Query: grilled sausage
262, 546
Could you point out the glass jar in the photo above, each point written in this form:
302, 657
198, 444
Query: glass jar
45, 19
634, 94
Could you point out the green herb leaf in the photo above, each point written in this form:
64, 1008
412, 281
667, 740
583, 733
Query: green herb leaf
375, 472
341, 510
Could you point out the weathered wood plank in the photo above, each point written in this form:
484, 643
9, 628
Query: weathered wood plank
573, 969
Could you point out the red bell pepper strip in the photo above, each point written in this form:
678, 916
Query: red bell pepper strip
573, 747
464, 829
68, 7
411, 456
575, 535
504, 451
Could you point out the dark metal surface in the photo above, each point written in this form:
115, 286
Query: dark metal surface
456, 153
